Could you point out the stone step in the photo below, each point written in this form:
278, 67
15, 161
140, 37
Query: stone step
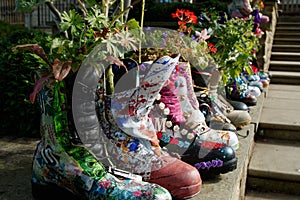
288, 24
287, 29
288, 19
286, 41
281, 101
279, 65
257, 195
285, 119
287, 35
273, 90
283, 77
232, 186
287, 56
275, 167
285, 48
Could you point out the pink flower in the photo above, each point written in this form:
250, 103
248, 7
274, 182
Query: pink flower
203, 35
105, 184
137, 193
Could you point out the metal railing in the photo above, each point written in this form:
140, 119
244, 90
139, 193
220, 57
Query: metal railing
290, 6
40, 17
8, 13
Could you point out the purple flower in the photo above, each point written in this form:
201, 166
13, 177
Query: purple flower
201, 18
143, 67
208, 164
181, 34
165, 35
214, 163
201, 165
220, 163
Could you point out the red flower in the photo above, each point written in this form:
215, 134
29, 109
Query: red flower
212, 48
182, 23
179, 14
185, 16
193, 18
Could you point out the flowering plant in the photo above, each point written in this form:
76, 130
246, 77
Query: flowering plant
85, 28
233, 42
190, 44
186, 18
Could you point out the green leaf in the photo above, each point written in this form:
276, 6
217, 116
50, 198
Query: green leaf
96, 19
28, 5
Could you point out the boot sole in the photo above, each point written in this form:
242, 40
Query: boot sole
240, 125
188, 192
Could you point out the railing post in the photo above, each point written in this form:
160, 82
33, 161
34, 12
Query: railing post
28, 22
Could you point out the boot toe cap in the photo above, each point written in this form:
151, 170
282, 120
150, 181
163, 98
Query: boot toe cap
181, 179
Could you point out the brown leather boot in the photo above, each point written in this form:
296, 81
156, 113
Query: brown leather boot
179, 178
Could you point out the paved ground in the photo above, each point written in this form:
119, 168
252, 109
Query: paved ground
15, 167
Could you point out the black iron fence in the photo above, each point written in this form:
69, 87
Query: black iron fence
40, 17
8, 13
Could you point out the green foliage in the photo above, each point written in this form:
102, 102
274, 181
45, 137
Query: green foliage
19, 117
234, 40
87, 31
6, 29
28, 5
17, 68
196, 52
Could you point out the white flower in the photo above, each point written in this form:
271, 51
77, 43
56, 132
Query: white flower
176, 128
161, 105
158, 97
166, 111
190, 136
169, 124
184, 132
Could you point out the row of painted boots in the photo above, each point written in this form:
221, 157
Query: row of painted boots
133, 133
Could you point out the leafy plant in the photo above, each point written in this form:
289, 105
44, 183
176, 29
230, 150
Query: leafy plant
234, 42
19, 117
6, 29
84, 30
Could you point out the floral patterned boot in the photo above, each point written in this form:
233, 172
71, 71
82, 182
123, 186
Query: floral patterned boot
181, 128
135, 146
59, 165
